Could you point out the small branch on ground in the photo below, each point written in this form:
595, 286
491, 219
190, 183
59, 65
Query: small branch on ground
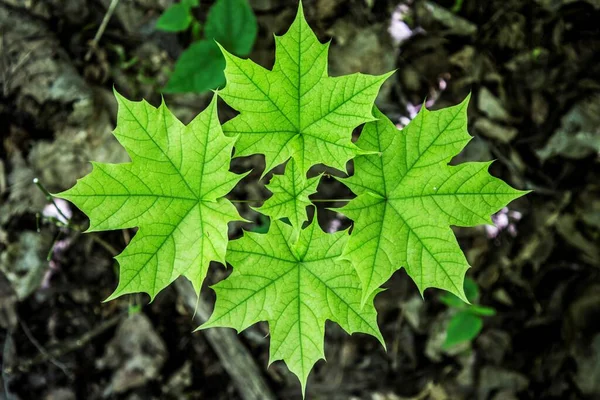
234, 356
51, 354
102, 28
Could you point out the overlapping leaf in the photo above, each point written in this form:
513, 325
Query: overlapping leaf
295, 288
290, 196
296, 110
408, 196
172, 190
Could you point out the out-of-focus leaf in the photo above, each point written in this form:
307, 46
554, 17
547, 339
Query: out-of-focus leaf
472, 293
579, 133
555, 6
463, 327
566, 226
454, 23
482, 310
492, 106
471, 290
199, 68
579, 145
493, 130
233, 24
176, 18
451, 300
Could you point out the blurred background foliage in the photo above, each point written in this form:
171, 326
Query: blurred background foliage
199, 68
532, 330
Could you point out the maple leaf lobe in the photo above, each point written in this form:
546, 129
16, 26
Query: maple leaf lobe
290, 196
172, 190
296, 110
408, 197
295, 287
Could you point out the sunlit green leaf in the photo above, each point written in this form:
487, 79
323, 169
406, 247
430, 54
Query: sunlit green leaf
408, 197
172, 190
295, 287
290, 196
296, 110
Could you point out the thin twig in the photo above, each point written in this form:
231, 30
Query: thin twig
107, 246
235, 357
102, 28
68, 224
49, 197
51, 251
67, 347
43, 352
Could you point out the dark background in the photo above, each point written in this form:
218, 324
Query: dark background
533, 68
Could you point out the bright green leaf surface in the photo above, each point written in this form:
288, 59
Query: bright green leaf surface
198, 69
172, 190
296, 110
295, 288
463, 327
175, 18
408, 196
233, 24
290, 196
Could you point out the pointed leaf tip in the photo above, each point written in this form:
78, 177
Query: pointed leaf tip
296, 287
293, 93
408, 197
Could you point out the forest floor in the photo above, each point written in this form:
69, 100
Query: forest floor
533, 68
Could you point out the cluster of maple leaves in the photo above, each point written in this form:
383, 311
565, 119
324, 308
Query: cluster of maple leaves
294, 278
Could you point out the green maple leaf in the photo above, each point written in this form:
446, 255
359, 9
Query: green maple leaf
172, 190
295, 287
290, 196
408, 196
296, 110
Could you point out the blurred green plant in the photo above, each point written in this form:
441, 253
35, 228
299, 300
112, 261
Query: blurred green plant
231, 23
458, 4
178, 17
467, 321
